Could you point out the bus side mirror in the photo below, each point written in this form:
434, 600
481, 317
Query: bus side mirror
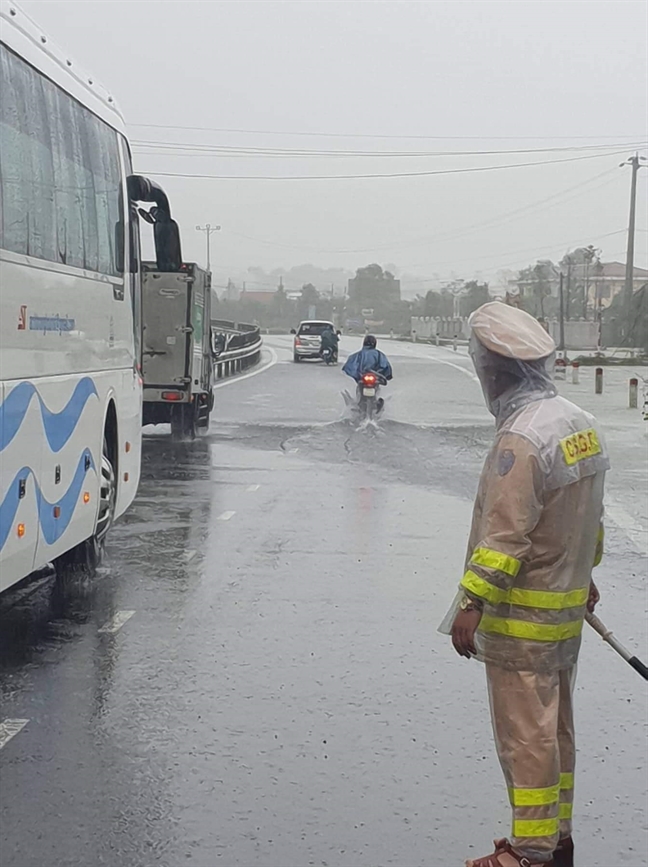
168, 252
167, 244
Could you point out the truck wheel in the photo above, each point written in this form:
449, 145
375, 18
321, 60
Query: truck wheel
205, 408
296, 358
184, 420
87, 555
176, 422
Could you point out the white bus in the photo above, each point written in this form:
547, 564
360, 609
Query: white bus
70, 384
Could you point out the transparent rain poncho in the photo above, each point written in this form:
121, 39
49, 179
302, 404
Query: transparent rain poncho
537, 518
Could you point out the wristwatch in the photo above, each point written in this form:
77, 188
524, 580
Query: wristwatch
468, 604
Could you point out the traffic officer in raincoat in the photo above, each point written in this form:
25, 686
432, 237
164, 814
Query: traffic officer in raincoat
536, 533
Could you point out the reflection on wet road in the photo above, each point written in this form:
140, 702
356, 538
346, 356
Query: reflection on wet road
254, 675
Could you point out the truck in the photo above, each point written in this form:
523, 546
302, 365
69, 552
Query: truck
177, 355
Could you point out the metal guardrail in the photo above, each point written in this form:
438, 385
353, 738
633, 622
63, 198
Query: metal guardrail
236, 346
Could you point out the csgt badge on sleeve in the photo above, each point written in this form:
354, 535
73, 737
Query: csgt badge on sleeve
580, 445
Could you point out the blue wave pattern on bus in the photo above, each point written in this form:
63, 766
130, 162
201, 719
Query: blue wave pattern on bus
59, 426
52, 528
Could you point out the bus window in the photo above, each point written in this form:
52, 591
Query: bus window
61, 174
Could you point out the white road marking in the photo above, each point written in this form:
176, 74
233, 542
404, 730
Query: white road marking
9, 729
225, 516
273, 360
116, 622
253, 488
188, 555
464, 370
410, 351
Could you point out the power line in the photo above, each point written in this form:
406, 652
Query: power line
377, 135
186, 149
473, 169
533, 207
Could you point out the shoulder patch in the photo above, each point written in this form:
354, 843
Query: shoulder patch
505, 461
580, 445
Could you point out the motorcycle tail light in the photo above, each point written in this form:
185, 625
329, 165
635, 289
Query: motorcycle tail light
369, 379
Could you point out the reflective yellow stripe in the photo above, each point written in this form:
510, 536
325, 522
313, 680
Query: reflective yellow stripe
566, 781
531, 631
484, 589
533, 797
565, 811
557, 601
495, 560
535, 827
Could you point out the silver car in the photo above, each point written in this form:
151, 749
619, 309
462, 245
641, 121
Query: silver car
308, 338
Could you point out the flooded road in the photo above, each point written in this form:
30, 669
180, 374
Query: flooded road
254, 675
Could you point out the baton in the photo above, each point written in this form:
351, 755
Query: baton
607, 636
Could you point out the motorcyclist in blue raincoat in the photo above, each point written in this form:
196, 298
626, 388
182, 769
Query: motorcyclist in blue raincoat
368, 359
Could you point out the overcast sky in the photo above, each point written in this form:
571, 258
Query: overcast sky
379, 76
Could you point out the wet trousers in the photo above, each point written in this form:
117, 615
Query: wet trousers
533, 726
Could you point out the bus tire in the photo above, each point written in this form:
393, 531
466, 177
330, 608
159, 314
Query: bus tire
86, 556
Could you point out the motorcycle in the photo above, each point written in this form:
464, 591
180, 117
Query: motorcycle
329, 355
370, 404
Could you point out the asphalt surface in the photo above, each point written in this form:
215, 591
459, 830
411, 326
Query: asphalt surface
254, 675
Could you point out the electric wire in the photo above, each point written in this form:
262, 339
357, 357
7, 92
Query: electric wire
412, 174
481, 137
185, 149
493, 222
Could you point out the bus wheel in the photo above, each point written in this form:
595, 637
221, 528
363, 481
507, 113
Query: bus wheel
86, 556
107, 496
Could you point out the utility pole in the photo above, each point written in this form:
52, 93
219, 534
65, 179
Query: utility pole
561, 296
569, 274
209, 230
635, 162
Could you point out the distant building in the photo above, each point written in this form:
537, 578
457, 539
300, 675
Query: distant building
609, 280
